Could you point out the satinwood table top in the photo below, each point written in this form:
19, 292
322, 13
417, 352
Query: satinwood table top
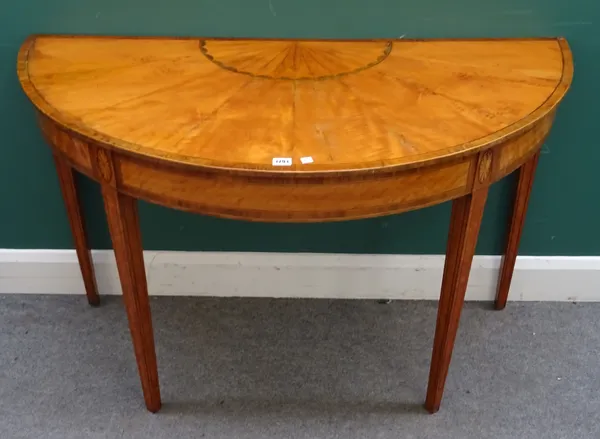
321, 105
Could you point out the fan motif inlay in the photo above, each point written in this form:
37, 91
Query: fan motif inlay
295, 60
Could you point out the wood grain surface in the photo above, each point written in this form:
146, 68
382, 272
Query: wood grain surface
123, 223
349, 105
525, 183
68, 188
465, 222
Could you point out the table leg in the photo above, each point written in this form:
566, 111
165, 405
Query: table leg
122, 214
465, 220
526, 175
68, 188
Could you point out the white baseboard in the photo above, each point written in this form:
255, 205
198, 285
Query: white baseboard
543, 278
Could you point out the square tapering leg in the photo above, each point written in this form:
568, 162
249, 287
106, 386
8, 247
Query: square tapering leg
68, 188
526, 177
465, 222
122, 214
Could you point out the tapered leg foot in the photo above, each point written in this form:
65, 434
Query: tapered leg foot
526, 176
462, 239
121, 211
68, 188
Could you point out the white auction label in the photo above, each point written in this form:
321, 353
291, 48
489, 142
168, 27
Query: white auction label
282, 161
306, 160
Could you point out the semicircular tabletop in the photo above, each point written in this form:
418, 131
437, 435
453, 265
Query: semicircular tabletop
347, 105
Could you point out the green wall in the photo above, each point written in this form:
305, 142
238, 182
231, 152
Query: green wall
564, 213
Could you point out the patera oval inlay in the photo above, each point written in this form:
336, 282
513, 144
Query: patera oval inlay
104, 165
485, 166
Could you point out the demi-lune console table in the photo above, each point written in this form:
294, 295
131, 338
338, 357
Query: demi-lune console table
294, 131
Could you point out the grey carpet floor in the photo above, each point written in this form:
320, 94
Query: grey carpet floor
266, 368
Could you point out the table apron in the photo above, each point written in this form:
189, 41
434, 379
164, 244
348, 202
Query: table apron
285, 199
